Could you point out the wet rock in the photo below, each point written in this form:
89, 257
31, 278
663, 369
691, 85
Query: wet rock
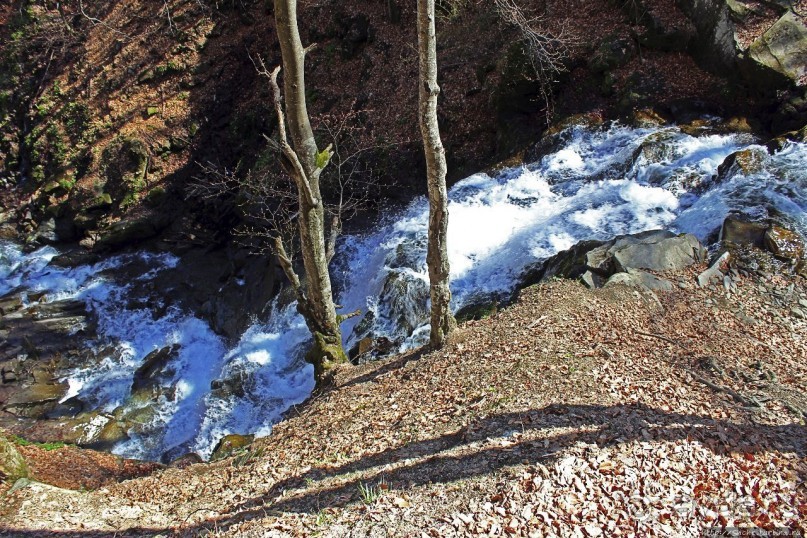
647, 117
229, 444
71, 407
155, 365
36, 400
185, 460
12, 464
784, 243
745, 162
10, 304
737, 230
778, 58
235, 385
75, 258
403, 297
58, 310
736, 124
657, 147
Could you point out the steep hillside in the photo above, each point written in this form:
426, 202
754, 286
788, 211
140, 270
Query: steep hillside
574, 412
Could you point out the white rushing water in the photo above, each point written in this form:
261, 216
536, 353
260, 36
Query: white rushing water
597, 184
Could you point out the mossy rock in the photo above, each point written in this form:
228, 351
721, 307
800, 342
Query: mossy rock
778, 58
657, 147
325, 353
124, 163
155, 197
477, 311
613, 51
647, 117
784, 243
12, 464
746, 162
102, 201
229, 444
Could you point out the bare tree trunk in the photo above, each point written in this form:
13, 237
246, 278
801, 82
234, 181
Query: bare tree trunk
442, 321
305, 163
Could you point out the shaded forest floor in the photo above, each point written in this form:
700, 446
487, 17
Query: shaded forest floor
571, 413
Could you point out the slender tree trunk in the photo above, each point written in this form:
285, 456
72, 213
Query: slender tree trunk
320, 312
442, 321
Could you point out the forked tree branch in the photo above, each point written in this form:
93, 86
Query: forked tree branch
297, 172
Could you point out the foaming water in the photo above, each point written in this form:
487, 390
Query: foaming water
598, 183
183, 414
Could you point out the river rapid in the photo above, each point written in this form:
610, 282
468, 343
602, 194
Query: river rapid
596, 182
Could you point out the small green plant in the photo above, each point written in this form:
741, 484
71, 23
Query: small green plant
369, 493
323, 517
19, 441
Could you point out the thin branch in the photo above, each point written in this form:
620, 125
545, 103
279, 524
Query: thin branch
96, 21
335, 231
286, 264
297, 171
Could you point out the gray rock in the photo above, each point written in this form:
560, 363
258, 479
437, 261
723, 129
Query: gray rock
596, 261
592, 280
714, 44
639, 279
714, 271
798, 313
781, 52
657, 251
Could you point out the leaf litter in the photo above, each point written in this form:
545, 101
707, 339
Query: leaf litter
573, 412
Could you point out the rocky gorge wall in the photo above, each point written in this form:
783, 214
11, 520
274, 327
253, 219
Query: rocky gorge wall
108, 118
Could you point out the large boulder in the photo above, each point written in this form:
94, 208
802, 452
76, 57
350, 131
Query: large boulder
596, 261
638, 279
130, 231
784, 243
656, 251
778, 58
737, 231
714, 44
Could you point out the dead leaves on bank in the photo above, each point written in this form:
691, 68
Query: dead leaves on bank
563, 415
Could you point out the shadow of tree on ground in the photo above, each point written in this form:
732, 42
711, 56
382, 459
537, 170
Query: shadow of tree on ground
475, 450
